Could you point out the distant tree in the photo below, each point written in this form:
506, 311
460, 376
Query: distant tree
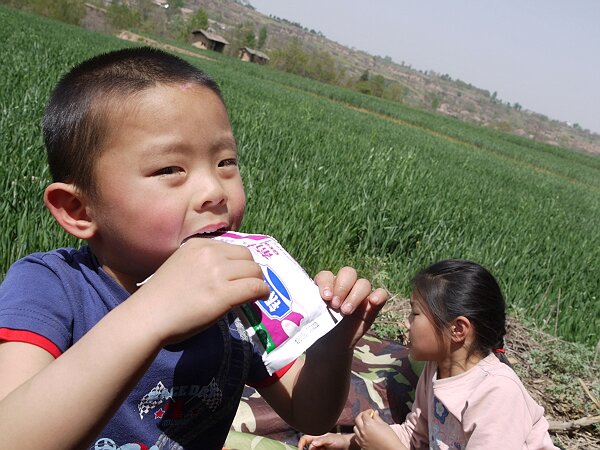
363, 83
373, 85
394, 91
322, 67
517, 106
262, 37
291, 58
121, 16
377, 85
249, 39
244, 35
197, 21
70, 11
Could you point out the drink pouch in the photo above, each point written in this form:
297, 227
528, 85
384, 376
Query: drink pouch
294, 316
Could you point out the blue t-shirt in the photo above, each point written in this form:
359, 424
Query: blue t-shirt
187, 398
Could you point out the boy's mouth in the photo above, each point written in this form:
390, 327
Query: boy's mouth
206, 234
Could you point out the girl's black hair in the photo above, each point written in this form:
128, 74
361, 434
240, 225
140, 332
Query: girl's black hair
452, 288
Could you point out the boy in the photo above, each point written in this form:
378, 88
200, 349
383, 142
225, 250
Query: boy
143, 159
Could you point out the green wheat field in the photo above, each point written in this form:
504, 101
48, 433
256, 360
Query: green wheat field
340, 178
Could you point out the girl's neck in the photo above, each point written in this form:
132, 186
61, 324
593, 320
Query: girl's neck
458, 361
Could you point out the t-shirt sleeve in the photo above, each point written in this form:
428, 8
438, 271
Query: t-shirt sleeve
413, 432
33, 307
497, 415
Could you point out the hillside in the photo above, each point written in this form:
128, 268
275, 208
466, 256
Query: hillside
409, 187
422, 89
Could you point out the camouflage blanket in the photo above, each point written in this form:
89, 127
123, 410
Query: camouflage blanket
383, 378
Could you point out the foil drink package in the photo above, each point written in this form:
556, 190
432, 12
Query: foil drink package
294, 316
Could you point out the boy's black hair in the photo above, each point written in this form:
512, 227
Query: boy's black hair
454, 287
77, 118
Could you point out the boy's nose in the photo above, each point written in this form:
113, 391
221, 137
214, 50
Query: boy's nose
208, 194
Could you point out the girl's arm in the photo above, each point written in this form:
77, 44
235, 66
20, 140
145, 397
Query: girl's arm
415, 429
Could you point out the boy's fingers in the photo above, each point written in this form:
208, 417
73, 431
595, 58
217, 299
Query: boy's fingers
344, 282
236, 269
325, 280
359, 292
253, 289
378, 297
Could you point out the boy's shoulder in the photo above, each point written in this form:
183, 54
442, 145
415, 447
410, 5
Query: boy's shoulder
59, 256
59, 294
62, 262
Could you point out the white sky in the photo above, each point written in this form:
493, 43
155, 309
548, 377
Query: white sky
543, 54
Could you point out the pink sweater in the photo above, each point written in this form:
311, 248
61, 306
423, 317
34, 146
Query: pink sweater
486, 407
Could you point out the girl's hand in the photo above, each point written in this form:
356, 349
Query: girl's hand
327, 441
372, 433
354, 298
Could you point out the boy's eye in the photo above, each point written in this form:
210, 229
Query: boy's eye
168, 171
228, 162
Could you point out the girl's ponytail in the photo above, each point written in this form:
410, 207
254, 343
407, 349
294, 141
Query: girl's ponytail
500, 353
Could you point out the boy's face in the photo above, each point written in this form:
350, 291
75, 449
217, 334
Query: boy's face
169, 171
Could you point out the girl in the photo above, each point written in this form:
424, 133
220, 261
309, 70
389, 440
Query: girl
466, 397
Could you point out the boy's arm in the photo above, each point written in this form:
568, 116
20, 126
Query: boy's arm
20, 361
75, 395
313, 392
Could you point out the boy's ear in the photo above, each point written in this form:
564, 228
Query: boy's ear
68, 207
461, 329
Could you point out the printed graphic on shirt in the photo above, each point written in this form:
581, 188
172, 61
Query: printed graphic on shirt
445, 430
177, 398
157, 396
171, 417
109, 444
439, 410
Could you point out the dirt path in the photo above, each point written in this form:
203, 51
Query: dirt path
132, 37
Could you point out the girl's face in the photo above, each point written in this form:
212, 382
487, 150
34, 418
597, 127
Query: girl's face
424, 342
170, 172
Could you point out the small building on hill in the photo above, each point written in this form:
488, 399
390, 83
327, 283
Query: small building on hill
255, 56
208, 41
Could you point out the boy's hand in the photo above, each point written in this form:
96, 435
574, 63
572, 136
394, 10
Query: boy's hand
372, 433
354, 298
198, 284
